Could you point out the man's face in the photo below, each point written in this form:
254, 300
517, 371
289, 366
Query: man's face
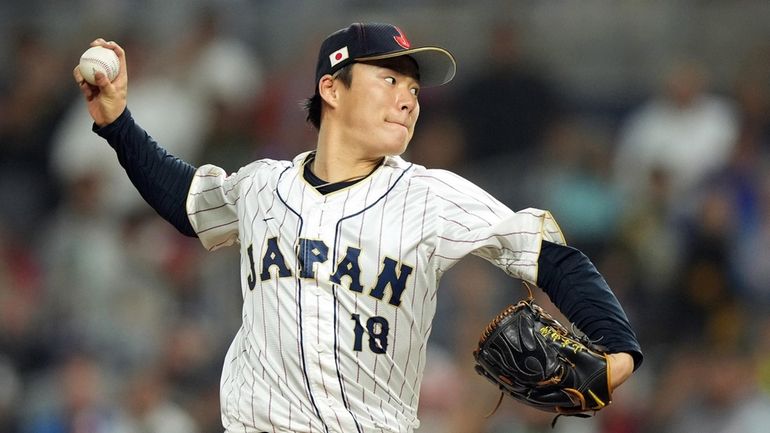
380, 109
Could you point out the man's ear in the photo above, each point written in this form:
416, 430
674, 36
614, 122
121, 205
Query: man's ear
327, 89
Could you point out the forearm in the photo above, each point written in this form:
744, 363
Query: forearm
162, 179
577, 288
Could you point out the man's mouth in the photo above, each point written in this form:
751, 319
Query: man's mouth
395, 122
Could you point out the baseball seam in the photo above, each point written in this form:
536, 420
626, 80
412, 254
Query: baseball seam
109, 69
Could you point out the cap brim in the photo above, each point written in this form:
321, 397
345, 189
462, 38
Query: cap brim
437, 66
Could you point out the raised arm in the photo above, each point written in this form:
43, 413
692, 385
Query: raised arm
162, 179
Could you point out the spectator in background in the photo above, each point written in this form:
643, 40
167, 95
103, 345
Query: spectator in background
82, 258
574, 179
10, 385
439, 143
748, 180
80, 401
160, 99
707, 284
752, 96
687, 132
202, 84
228, 76
32, 104
151, 410
718, 386
29, 100
507, 106
750, 261
276, 118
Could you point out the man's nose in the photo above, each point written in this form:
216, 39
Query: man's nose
407, 100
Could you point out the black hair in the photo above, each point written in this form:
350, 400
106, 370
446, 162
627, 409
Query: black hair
314, 103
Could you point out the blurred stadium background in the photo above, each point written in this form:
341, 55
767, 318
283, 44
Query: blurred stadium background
643, 126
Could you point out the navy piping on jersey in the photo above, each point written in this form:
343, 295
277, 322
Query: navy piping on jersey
565, 274
336, 359
334, 260
299, 307
321, 185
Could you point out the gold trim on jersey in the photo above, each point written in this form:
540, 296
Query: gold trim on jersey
360, 179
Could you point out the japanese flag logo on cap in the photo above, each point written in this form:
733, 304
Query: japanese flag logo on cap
338, 56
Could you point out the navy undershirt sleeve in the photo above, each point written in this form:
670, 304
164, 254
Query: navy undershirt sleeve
163, 180
580, 292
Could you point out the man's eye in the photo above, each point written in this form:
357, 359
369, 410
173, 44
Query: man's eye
390, 80
415, 91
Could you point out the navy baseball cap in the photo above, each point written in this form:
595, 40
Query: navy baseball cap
362, 42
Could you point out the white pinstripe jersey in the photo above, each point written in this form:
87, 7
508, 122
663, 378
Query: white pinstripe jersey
339, 290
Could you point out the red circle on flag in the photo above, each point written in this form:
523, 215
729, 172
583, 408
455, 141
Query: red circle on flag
338, 56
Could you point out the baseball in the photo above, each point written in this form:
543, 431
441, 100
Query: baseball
99, 59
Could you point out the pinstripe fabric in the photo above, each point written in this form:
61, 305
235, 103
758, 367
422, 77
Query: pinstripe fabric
340, 289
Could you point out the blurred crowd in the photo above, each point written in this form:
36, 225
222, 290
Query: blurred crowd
110, 321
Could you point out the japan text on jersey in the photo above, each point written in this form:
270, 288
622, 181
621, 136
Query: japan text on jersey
340, 289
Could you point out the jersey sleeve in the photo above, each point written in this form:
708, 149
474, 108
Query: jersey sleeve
161, 179
474, 222
212, 206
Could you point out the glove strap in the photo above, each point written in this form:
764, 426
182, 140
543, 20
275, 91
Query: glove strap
529, 289
497, 406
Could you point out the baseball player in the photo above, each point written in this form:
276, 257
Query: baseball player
342, 247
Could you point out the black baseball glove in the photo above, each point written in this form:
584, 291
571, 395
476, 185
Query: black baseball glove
534, 359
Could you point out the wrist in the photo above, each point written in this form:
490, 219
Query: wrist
106, 127
620, 366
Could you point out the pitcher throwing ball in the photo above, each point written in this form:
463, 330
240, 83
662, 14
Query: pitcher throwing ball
342, 248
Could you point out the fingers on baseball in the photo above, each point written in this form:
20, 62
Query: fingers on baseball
121, 57
101, 80
102, 83
114, 46
77, 75
84, 86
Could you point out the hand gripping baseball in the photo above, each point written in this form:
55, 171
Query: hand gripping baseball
106, 100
